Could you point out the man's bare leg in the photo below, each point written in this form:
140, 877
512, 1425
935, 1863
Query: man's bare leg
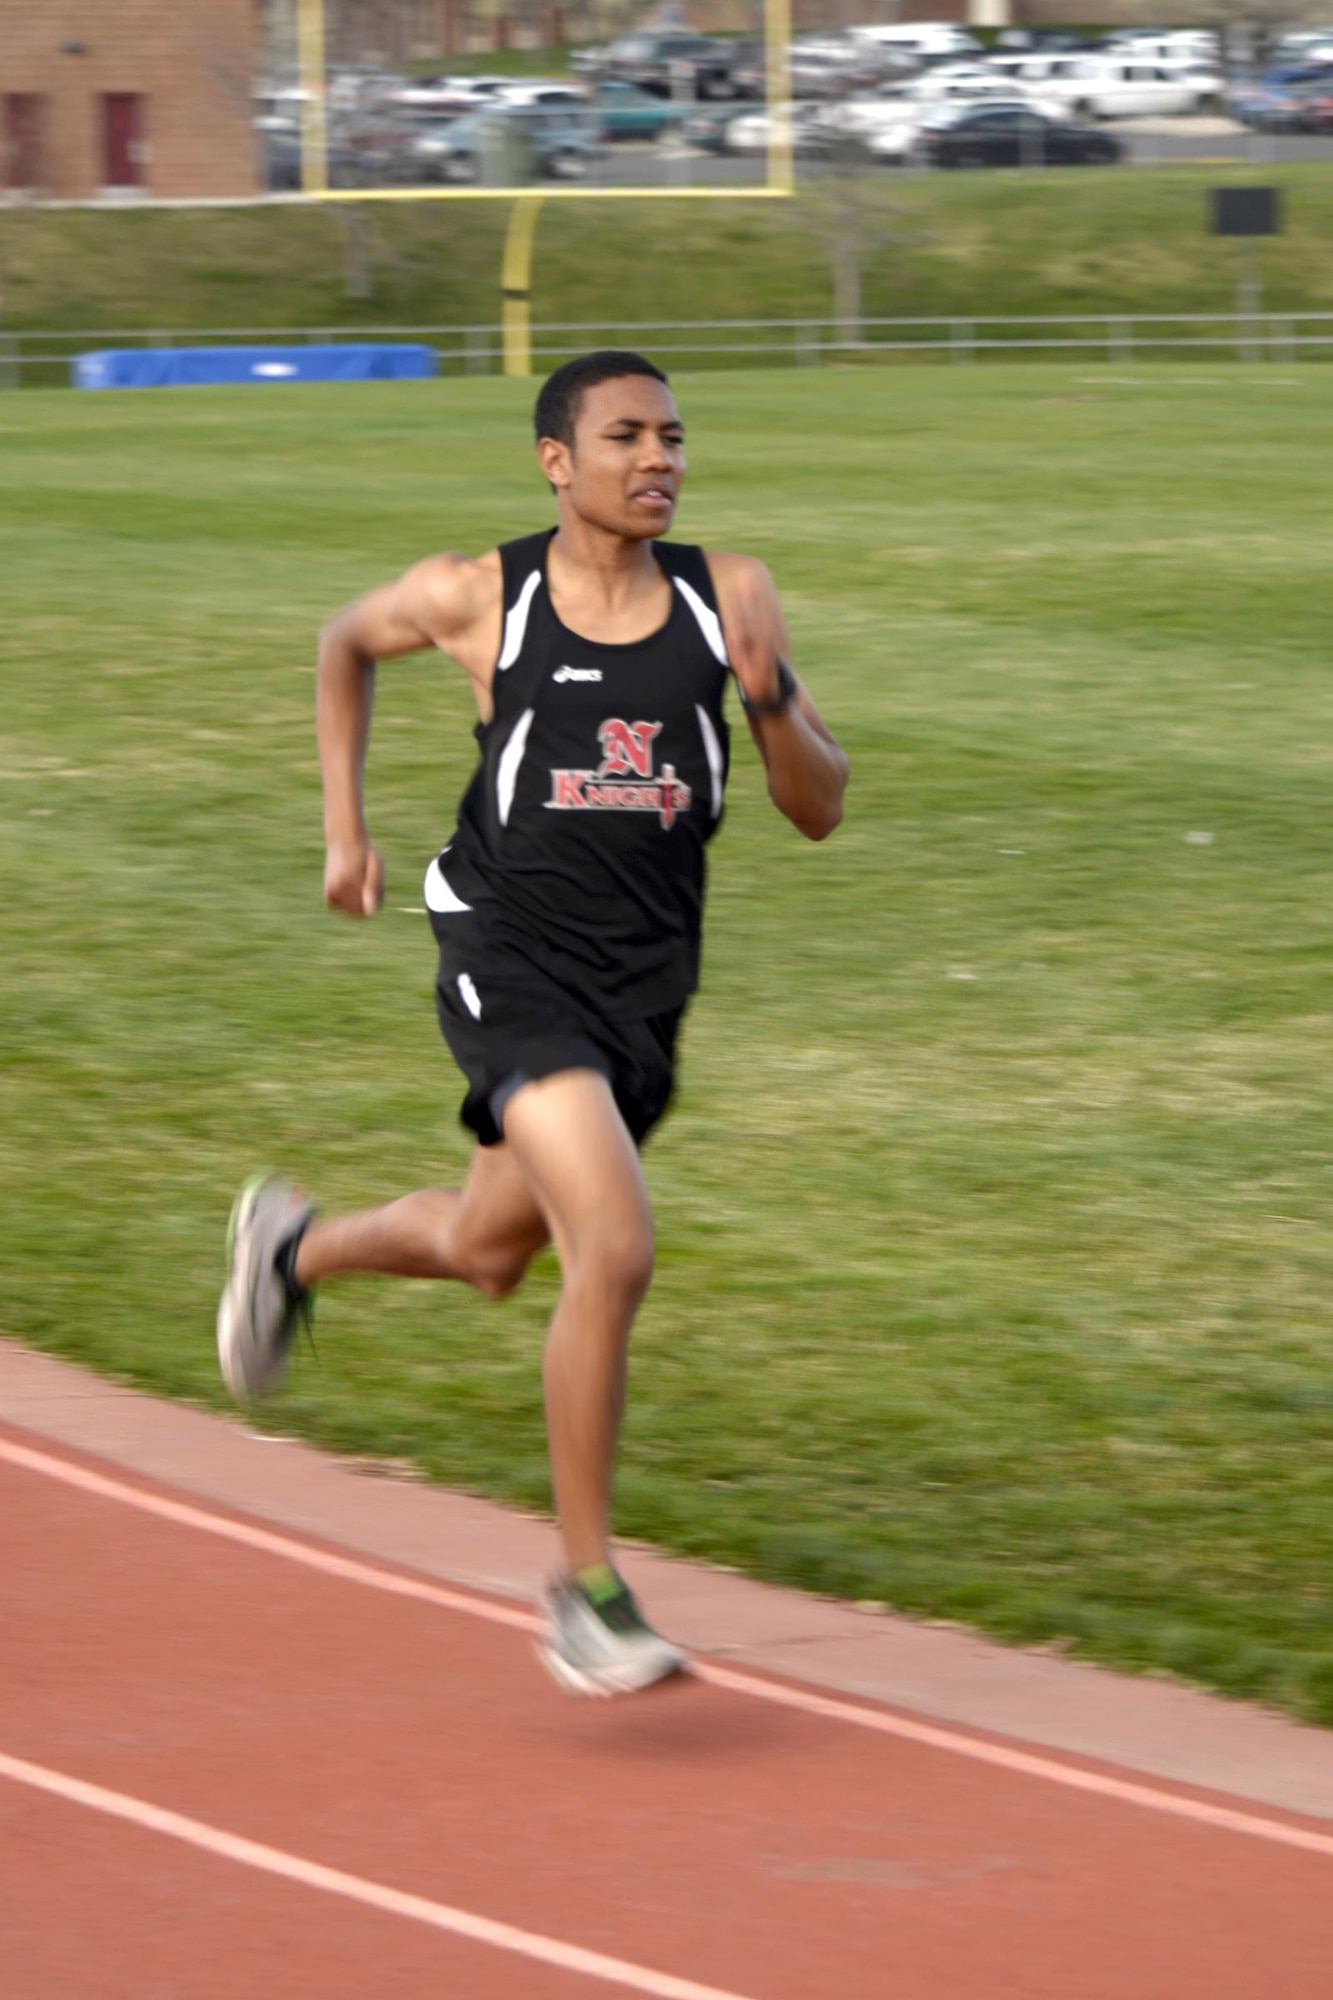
570, 1141
484, 1235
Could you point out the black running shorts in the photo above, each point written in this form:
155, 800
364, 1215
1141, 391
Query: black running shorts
508, 1024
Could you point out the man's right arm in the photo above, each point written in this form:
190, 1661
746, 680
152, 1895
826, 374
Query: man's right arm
446, 602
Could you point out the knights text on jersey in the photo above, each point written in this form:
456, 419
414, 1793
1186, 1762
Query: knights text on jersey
580, 841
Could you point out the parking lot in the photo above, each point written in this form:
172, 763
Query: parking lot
682, 110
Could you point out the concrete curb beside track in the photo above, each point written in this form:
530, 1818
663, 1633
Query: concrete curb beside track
1142, 1724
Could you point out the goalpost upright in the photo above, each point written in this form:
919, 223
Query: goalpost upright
516, 271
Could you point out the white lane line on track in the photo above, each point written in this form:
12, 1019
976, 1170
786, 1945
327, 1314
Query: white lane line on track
348, 1568
374, 1895
883, 1721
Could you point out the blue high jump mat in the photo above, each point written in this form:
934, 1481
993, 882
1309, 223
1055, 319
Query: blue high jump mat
192, 367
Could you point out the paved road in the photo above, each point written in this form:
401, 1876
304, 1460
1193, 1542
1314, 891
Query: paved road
1150, 142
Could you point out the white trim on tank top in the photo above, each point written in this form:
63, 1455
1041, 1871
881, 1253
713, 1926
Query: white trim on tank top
506, 776
709, 622
439, 895
516, 624
713, 752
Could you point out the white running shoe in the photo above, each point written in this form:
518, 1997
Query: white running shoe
602, 1645
258, 1312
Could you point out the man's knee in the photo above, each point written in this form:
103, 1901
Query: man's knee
618, 1263
497, 1280
496, 1273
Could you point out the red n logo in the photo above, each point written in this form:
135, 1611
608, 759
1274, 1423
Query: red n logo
627, 748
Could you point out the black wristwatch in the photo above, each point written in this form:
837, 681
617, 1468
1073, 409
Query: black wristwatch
782, 700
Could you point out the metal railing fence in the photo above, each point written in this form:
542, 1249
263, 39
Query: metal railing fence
43, 358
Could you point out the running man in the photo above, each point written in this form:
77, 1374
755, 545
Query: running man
567, 907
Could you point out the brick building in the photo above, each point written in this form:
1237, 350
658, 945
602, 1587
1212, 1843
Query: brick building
127, 97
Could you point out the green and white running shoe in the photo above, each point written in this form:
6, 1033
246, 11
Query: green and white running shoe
597, 1641
260, 1309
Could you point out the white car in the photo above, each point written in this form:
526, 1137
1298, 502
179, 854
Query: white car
755, 131
454, 94
546, 91
1036, 66
868, 110
926, 41
1139, 91
892, 145
976, 85
941, 78
1182, 45
883, 125
1106, 88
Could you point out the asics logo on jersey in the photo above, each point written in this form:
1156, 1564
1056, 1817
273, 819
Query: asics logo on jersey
577, 674
627, 753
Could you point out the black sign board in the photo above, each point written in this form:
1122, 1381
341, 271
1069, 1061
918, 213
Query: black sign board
1246, 211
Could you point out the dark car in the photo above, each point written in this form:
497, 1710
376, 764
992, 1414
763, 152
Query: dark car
1300, 109
660, 62
1317, 108
707, 129
1012, 135
747, 68
351, 160
1276, 102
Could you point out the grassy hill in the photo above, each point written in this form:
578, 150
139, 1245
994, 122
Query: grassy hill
1015, 243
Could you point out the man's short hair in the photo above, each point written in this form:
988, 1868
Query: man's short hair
561, 395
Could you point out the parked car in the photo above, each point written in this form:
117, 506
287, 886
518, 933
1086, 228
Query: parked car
626, 112
831, 64
1102, 88
924, 41
451, 96
348, 163
1276, 102
1307, 49
893, 145
511, 144
974, 84
749, 68
870, 111
706, 127
1041, 40
1039, 66
1316, 107
546, 92
751, 131
656, 62
1012, 135
1198, 46
567, 144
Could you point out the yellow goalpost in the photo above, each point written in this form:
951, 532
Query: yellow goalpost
516, 270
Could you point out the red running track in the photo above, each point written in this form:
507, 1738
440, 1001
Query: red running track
395, 1749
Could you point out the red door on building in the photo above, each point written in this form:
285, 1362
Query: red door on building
124, 139
21, 155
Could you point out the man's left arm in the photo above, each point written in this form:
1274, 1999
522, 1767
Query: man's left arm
806, 766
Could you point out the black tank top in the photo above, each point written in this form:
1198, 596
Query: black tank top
580, 840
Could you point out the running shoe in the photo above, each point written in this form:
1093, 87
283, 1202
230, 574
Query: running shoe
597, 1641
259, 1310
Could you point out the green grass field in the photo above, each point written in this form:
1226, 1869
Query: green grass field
994, 1259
